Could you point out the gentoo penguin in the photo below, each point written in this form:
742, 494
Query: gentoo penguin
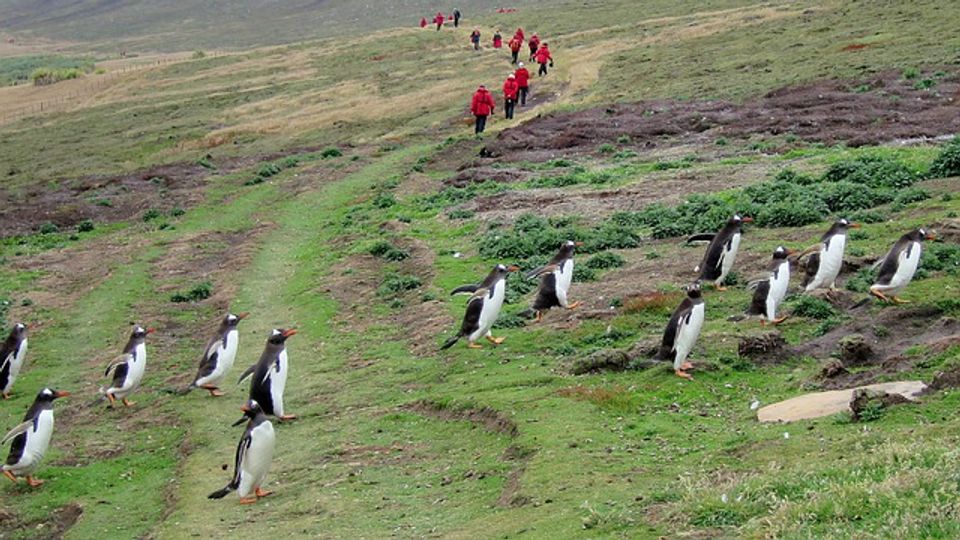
898, 266
31, 438
827, 256
483, 308
254, 454
722, 251
682, 331
270, 374
219, 355
12, 353
128, 368
770, 292
555, 279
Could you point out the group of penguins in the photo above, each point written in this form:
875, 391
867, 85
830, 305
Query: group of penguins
31, 438
823, 263
254, 454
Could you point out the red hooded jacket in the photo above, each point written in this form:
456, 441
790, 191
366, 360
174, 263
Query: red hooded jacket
534, 41
510, 88
497, 41
523, 77
439, 18
515, 44
519, 34
423, 22
482, 104
543, 55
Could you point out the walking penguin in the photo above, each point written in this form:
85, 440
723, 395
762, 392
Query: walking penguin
770, 292
270, 374
899, 265
219, 355
128, 368
31, 438
682, 332
826, 258
555, 279
12, 353
721, 252
254, 455
483, 308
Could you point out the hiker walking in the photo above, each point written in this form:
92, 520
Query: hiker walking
534, 45
439, 20
481, 106
543, 57
456, 18
510, 91
515, 45
475, 38
497, 40
519, 34
523, 82
423, 22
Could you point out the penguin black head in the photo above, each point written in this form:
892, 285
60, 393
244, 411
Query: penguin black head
844, 223
737, 220
19, 330
782, 253
250, 411
503, 270
140, 333
49, 395
280, 335
693, 290
568, 247
231, 320
922, 234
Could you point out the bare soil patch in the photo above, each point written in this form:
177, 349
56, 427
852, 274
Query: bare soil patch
55, 526
484, 417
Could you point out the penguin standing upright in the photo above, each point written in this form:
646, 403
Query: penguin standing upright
682, 331
899, 265
219, 355
483, 308
254, 455
31, 438
128, 368
827, 256
555, 280
12, 353
770, 292
270, 374
721, 252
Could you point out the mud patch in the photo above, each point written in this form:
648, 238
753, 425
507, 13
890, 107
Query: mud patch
484, 417
370, 455
54, 526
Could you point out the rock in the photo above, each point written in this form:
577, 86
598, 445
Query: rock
946, 379
639, 356
865, 400
833, 368
765, 348
854, 350
821, 404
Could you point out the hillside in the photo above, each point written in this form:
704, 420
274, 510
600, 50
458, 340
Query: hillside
335, 186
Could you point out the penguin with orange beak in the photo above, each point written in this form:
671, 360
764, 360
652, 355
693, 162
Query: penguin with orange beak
128, 368
270, 374
31, 438
483, 308
899, 265
555, 279
219, 356
721, 252
253, 457
769, 293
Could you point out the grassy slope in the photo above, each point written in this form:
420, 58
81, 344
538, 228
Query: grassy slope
618, 457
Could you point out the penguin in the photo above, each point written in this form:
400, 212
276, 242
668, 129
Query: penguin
127, 368
899, 265
31, 438
827, 258
721, 252
483, 308
219, 355
12, 353
254, 455
770, 292
682, 331
555, 279
270, 374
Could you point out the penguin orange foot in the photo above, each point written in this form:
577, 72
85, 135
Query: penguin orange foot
683, 374
473, 345
10, 475
879, 295
248, 500
781, 319
539, 316
214, 391
575, 305
111, 399
128, 403
262, 493
898, 300
34, 482
685, 366
286, 417
495, 340
719, 288
6, 395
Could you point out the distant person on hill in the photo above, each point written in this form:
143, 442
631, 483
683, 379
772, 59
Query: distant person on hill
439, 20
534, 45
543, 57
523, 82
510, 91
423, 22
519, 35
497, 40
475, 38
515, 45
456, 18
481, 106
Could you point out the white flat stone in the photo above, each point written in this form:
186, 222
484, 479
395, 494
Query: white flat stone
821, 404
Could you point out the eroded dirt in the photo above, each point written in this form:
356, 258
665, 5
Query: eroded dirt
54, 527
484, 417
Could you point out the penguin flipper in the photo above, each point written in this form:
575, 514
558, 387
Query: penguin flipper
540, 271
247, 373
115, 363
6, 361
21, 428
465, 289
450, 342
701, 237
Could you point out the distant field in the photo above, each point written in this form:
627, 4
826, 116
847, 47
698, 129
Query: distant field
17, 70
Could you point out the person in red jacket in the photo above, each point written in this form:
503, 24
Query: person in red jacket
497, 40
534, 45
543, 56
523, 82
515, 45
510, 91
519, 34
481, 106
439, 20
423, 22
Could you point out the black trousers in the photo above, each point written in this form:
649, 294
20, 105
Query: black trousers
543, 70
476, 45
508, 105
481, 123
533, 52
515, 54
523, 95
456, 22
439, 25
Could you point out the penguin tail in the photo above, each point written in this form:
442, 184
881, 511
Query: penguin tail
528, 313
100, 398
738, 318
862, 303
179, 391
220, 493
450, 342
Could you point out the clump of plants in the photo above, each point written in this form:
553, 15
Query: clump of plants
812, 307
387, 251
604, 261
395, 284
200, 291
947, 162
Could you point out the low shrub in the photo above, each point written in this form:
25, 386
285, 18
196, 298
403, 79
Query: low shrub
201, 291
605, 260
85, 226
947, 162
460, 214
49, 228
331, 152
152, 214
941, 257
384, 200
814, 308
911, 195
395, 284
387, 251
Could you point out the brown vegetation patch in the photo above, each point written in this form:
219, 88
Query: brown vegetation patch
485, 417
54, 526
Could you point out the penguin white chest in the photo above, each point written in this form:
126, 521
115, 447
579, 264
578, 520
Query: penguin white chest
779, 283
38, 440
136, 367
15, 364
831, 261
491, 309
564, 277
908, 262
687, 333
256, 461
728, 256
226, 355
278, 381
